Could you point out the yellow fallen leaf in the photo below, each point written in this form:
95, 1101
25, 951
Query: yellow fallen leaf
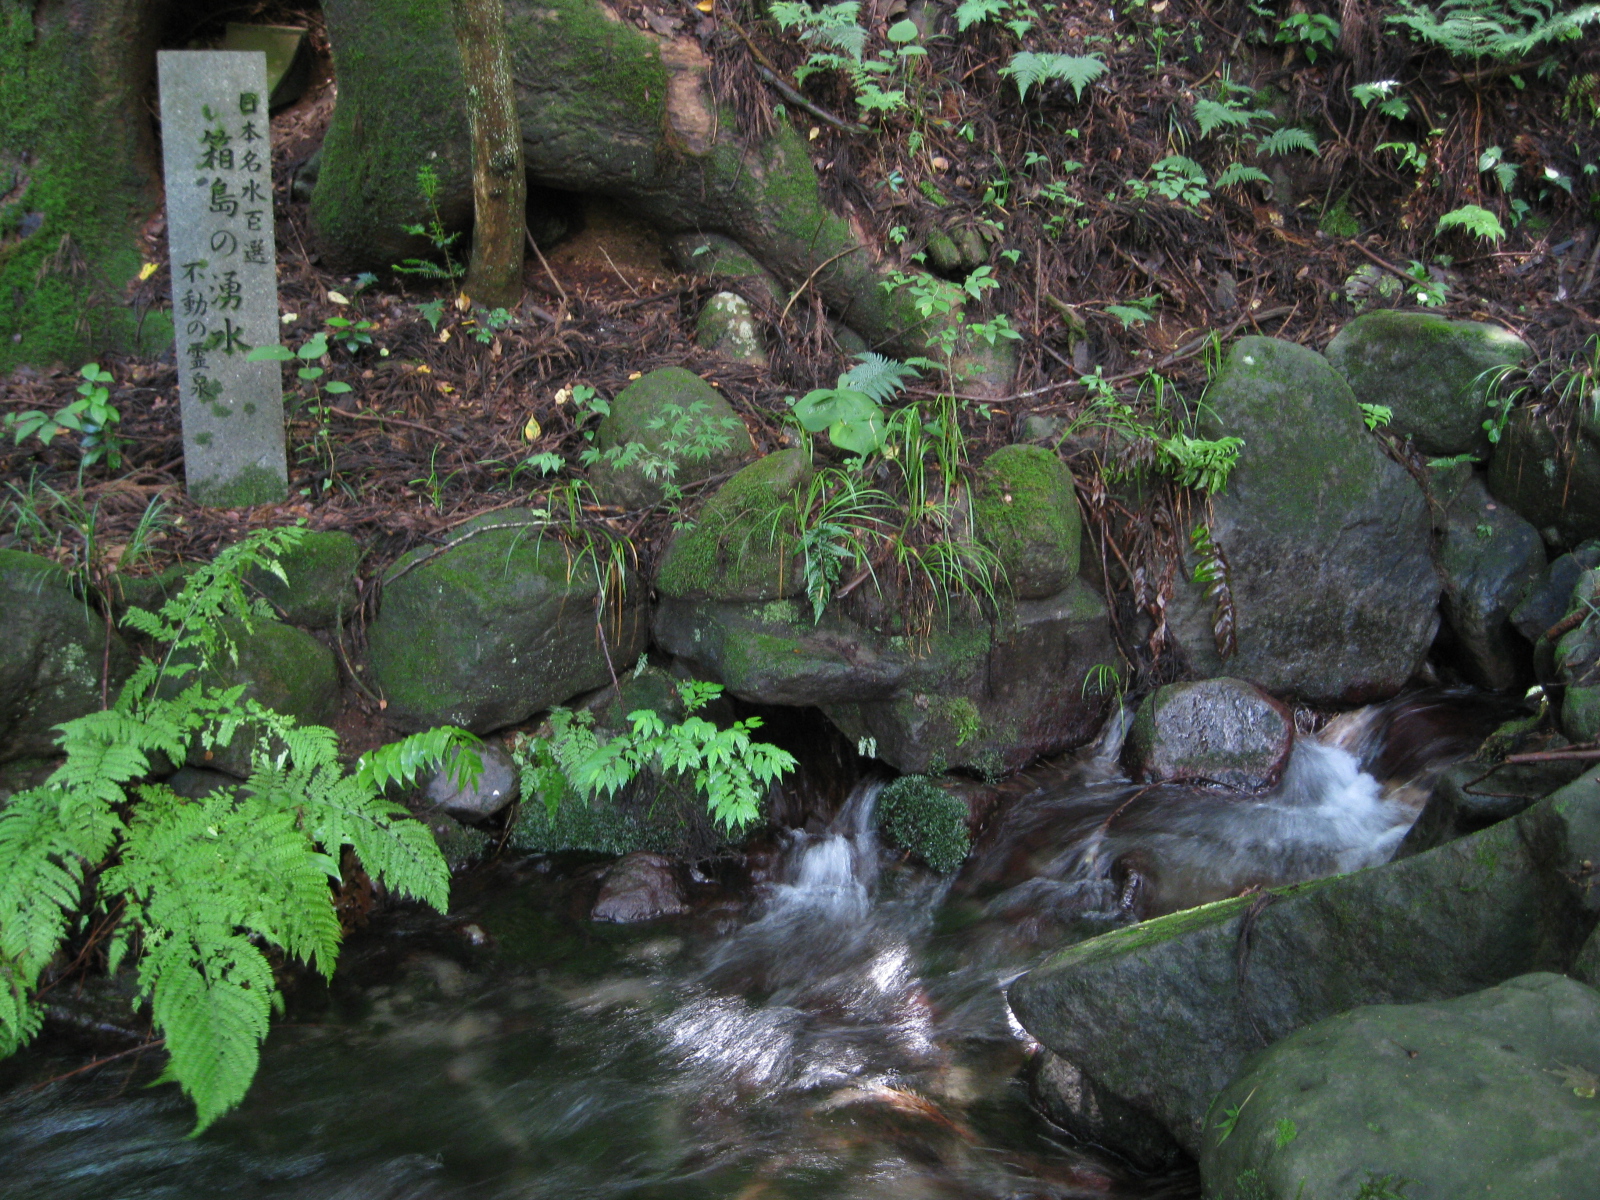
443, 386
288, 318
463, 302
424, 369
532, 430
444, 335
636, 375
814, 133
148, 270
338, 298
563, 395
704, 5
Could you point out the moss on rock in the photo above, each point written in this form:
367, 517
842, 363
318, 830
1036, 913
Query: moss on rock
918, 815
684, 431
742, 547
1026, 511
321, 580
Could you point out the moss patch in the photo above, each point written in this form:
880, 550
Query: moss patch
743, 545
918, 815
1026, 511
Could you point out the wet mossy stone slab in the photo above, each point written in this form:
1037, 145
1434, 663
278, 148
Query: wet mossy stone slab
1164, 1014
1429, 371
1552, 479
1025, 509
743, 544
54, 648
1489, 557
1577, 662
1491, 1094
280, 666
675, 417
986, 696
728, 263
497, 627
1327, 539
320, 591
1222, 731
1469, 796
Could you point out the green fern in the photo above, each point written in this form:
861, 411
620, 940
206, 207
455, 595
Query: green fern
1029, 69
878, 377
1479, 222
975, 12
1508, 30
1281, 141
197, 889
1212, 115
1236, 173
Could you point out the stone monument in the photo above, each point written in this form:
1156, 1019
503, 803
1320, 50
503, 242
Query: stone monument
218, 166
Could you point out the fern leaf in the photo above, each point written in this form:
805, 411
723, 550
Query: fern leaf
1281, 141
40, 883
879, 378
1236, 173
1029, 69
975, 12
1212, 115
1477, 221
212, 1004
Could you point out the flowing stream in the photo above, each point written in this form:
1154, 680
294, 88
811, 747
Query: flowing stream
837, 1031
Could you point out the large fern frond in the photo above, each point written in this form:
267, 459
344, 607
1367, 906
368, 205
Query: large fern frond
877, 377
1029, 69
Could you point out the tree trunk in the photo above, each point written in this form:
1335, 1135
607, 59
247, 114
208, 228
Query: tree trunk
499, 180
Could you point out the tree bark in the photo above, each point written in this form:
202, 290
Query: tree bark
499, 179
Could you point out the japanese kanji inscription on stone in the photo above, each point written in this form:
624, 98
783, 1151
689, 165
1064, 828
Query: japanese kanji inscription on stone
218, 164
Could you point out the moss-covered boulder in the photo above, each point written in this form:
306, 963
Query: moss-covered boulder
1222, 731
726, 263
78, 176
1577, 662
500, 625
57, 659
1491, 1094
1488, 557
280, 666
319, 590
988, 696
1549, 595
918, 815
727, 326
1164, 1014
1025, 509
743, 543
1326, 539
1430, 371
665, 430
1551, 478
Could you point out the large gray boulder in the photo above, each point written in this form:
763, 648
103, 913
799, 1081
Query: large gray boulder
1430, 371
665, 430
500, 626
1164, 1014
54, 649
1552, 479
1222, 731
1025, 509
1490, 1094
1326, 539
1488, 556
975, 694
1549, 594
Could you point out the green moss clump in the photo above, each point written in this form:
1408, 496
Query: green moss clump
743, 547
1026, 511
918, 815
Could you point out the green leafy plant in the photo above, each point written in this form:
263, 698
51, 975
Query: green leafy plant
194, 892
1504, 30
1028, 69
1376, 416
1313, 33
1134, 312
842, 46
921, 817
688, 438
91, 417
1284, 1131
1478, 221
434, 231
852, 412
1179, 179
730, 769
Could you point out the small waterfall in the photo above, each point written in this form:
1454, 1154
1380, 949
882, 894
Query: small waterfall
834, 872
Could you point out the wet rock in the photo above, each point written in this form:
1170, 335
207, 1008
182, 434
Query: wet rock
197, 782
1326, 538
1577, 661
727, 327
1025, 509
1489, 1094
496, 628
1548, 595
495, 787
280, 666
1164, 1014
462, 846
53, 647
1552, 480
319, 591
1468, 797
1429, 371
640, 887
1096, 1117
1488, 556
743, 543
990, 697
23, 774
1222, 731
670, 405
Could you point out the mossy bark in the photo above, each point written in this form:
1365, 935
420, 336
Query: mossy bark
499, 184
605, 108
78, 173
